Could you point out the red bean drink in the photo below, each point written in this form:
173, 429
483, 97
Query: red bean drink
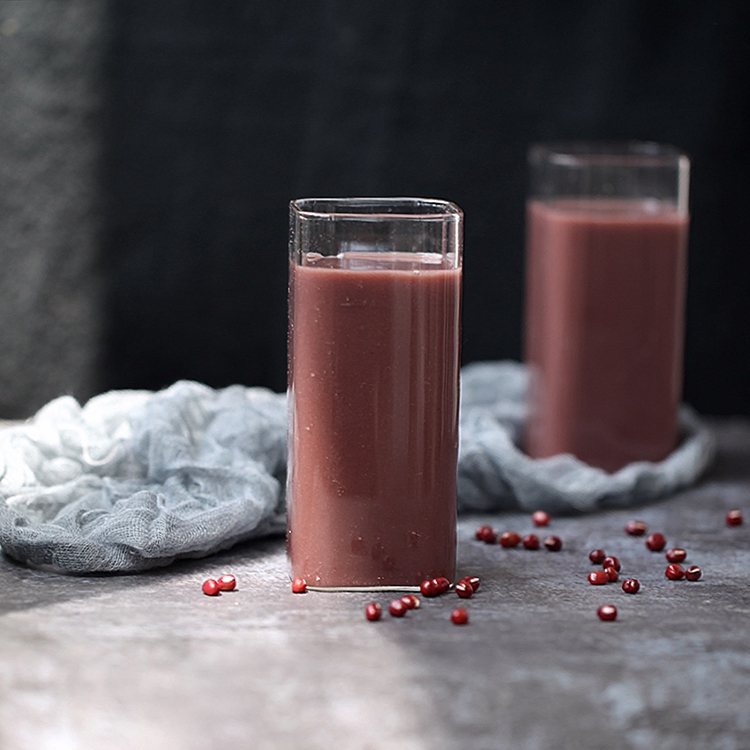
374, 313
605, 303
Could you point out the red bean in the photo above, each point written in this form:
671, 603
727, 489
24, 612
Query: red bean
612, 573
674, 572
410, 601
631, 585
597, 556
607, 612
540, 518
635, 528
611, 562
429, 587
299, 586
553, 543
442, 583
693, 573
530, 541
397, 608
464, 589
598, 577
734, 517
486, 534
227, 582
656, 542
210, 587
675, 554
373, 611
509, 539
460, 616
473, 581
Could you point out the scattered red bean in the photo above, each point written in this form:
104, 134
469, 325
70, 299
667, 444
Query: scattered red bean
486, 534
464, 589
612, 573
397, 608
553, 543
540, 518
597, 555
631, 585
674, 572
460, 616
656, 542
675, 554
410, 601
598, 577
429, 587
299, 586
607, 612
530, 541
509, 539
473, 581
373, 611
227, 582
442, 583
693, 573
210, 587
635, 528
611, 562
734, 517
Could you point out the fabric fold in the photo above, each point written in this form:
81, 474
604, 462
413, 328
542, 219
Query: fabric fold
136, 479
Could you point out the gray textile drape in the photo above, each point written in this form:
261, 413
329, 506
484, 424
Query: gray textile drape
135, 479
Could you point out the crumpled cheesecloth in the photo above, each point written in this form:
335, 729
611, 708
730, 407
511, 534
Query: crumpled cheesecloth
494, 474
135, 479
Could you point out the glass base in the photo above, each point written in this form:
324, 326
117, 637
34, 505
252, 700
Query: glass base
406, 588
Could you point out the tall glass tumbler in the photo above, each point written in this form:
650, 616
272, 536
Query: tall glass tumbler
374, 330
606, 265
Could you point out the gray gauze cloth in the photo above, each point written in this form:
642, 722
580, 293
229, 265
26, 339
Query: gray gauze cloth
494, 474
135, 479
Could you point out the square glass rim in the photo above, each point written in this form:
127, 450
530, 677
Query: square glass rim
376, 209
608, 153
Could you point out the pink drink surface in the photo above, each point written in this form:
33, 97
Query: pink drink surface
604, 329
374, 367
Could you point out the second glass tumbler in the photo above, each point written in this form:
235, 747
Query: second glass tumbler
607, 228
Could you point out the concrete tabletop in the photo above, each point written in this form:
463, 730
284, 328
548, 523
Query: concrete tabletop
148, 661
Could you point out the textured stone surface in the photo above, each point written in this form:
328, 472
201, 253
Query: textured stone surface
149, 661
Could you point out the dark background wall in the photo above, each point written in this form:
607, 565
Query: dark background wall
213, 115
